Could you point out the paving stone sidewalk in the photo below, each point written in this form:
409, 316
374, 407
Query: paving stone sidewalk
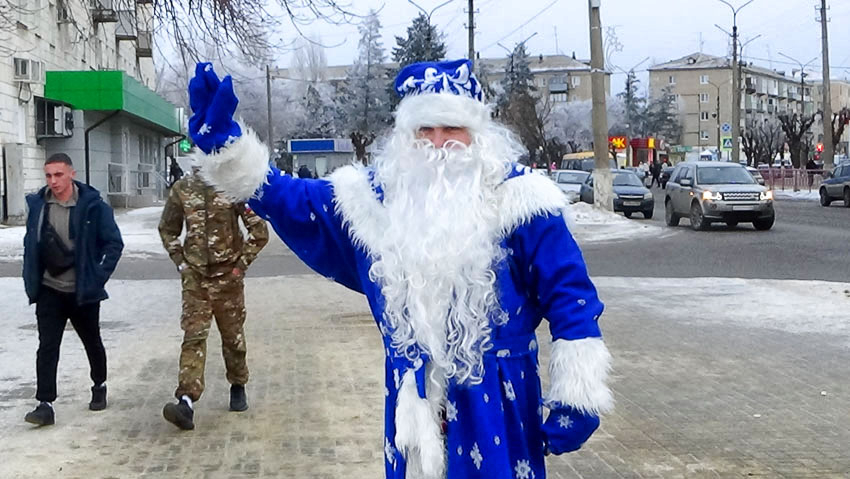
696, 396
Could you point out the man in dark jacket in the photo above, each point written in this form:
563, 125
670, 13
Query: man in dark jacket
71, 247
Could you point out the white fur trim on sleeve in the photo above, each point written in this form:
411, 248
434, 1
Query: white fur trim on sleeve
578, 373
418, 435
238, 169
523, 197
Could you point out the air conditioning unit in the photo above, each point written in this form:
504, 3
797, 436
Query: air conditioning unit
28, 71
63, 121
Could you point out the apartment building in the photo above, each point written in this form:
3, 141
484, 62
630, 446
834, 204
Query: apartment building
702, 85
77, 76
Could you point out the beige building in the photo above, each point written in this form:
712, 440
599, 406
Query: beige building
702, 85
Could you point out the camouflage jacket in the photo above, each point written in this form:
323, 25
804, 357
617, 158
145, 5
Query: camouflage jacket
214, 243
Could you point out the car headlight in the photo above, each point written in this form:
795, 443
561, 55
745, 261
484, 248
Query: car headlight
766, 195
647, 196
709, 196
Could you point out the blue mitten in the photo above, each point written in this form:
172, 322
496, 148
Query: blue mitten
213, 104
567, 428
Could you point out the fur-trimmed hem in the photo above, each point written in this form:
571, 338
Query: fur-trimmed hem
418, 434
238, 169
578, 373
523, 197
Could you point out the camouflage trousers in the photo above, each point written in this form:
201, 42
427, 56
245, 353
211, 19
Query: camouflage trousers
221, 297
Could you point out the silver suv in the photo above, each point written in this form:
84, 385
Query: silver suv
715, 191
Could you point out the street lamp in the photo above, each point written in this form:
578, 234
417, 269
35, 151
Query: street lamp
428, 17
717, 116
802, 80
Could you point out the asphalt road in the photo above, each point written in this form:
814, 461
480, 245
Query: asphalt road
807, 242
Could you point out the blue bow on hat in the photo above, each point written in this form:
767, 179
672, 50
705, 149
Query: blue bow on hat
213, 104
436, 77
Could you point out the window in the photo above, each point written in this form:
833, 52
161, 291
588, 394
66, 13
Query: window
703, 97
703, 134
671, 80
703, 79
576, 81
703, 116
558, 97
116, 178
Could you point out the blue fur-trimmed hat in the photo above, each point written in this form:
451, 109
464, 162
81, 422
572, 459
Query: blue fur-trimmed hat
438, 77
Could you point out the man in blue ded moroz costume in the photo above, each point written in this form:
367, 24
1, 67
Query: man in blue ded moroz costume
461, 252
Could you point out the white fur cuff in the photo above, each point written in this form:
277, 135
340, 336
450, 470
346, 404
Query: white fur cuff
238, 169
578, 373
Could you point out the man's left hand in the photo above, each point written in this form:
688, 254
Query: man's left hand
567, 428
237, 272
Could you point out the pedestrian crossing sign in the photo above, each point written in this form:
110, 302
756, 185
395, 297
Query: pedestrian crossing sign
726, 142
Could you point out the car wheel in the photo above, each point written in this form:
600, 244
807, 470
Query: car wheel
764, 224
824, 197
647, 214
670, 217
627, 214
698, 222
846, 197
731, 223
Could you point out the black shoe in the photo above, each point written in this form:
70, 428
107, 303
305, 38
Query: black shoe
238, 401
179, 414
42, 415
98, 398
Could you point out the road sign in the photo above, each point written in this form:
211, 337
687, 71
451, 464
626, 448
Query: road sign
726, 141
185, 146
725, 127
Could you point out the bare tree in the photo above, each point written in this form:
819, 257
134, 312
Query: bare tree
309, 62
795, 127
840, 120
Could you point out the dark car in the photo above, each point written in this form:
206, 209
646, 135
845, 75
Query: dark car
630, 195
836, 186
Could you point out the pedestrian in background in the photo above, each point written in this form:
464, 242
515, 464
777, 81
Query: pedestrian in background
655, 170
304, 172
212, 261
71, 247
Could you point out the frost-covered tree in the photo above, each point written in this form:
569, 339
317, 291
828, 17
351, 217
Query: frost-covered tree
365, 103
571, 123
424, 42
662, 117
318, 117
634, 108
518, 81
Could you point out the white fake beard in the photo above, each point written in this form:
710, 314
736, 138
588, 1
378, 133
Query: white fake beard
435, 261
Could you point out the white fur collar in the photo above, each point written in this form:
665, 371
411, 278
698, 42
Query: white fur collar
520, 199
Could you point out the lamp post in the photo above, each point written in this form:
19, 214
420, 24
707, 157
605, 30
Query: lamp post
428, 18
717, 115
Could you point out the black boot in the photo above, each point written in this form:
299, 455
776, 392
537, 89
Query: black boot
98, 398
180, 414
42, 415
238, 401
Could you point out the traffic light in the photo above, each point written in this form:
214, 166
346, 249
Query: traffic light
819, 147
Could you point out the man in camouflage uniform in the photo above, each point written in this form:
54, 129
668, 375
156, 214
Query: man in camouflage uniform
212, 261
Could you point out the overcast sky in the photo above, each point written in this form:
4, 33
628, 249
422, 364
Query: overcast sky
659, 29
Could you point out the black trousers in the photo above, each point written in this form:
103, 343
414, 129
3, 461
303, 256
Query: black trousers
53, 310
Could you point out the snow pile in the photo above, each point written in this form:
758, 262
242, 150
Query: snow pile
797, 195
590, 225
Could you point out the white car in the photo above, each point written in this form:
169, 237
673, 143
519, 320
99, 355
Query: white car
569, 181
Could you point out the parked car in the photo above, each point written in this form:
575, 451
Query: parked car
712, 191
569, 181
630, 195
836, 186
756, 174
641, 174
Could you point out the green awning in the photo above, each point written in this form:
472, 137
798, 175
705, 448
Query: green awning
109, 91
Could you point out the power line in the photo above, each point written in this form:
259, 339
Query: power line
547, 7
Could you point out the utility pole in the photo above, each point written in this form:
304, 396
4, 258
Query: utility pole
736, 83
602, 184
269, 100
471, 28
826, 115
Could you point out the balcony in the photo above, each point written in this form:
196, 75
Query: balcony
102, 11
144, 44
558, 87
126, 28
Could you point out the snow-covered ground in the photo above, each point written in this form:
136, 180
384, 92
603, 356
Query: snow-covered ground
141, 238
797, 195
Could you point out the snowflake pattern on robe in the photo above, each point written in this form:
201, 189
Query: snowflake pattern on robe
565, 422
509, 391
476, 456
523, 470
451, 411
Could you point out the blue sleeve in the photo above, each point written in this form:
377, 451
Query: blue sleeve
554, 273
109, 239
302, 213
